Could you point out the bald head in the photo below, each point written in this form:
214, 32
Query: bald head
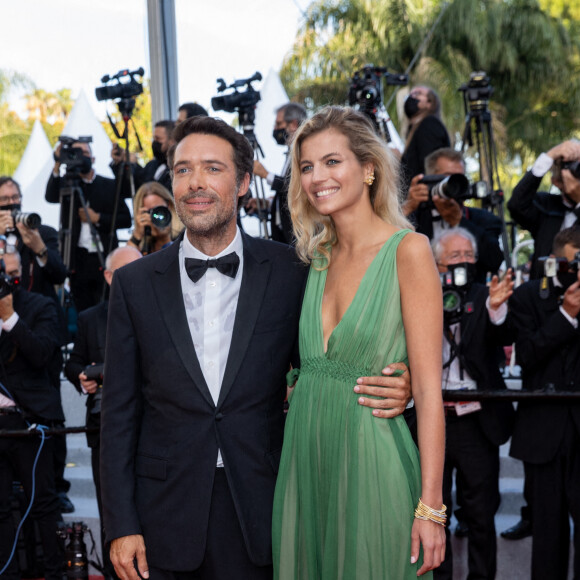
119, 258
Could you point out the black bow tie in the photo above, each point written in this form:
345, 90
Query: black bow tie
227, 265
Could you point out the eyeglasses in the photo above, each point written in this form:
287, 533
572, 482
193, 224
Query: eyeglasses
459, 255
7, 199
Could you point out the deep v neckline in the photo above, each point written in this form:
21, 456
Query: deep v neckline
325, 346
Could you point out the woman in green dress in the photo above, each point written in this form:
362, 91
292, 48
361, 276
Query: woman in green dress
355, 498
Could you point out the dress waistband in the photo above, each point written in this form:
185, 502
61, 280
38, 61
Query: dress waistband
333, 368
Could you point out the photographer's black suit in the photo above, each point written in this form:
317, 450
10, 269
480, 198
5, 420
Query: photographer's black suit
547, 433
25, 353
483, 225
473, 440
539, 212
143, 175
283, 232
86, 277
160, 427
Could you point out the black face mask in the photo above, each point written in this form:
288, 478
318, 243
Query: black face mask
280, 136
566, 279
157, 153
411, 107
86, 165
11, 207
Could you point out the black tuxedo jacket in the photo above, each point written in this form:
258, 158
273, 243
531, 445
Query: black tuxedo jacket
89, 348
478, 347
548, 350
483, 225
100, 195
540, 213
160, 429
26, 353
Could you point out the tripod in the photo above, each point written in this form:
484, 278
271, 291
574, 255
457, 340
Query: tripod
478, 123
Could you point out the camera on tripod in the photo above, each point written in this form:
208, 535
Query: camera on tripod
366, 89
72, 155
455, 186
120, 90
477, 92
237, 101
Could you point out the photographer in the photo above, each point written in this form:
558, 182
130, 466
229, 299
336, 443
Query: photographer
188, 110
432, 214
541, 213
89, 350
547, 433
99, 193
154, 170
288, 118
473, 332
29, 338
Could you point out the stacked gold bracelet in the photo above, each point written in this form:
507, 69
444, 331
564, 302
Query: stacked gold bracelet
424, 512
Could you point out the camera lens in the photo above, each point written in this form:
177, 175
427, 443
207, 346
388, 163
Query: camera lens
160, 216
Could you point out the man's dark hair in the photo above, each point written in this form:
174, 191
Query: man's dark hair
563, 238
293, 112
4, 179
193, 110
167, 124
445, 153
243, 151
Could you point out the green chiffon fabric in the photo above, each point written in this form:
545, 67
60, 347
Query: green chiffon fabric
348, 482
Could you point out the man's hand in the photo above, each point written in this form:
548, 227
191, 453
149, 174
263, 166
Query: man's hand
418, 193
6, 221
260, 170
568, 151
571, 303
124, 551
117, 154
499, 292
90, 386
93, 215
31, 238
394, 392
449, 210
6, 307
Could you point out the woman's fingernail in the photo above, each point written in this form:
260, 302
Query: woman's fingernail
413, 559
361, 400
357, 389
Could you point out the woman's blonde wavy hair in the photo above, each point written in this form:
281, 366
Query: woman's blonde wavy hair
314, 232
155, 188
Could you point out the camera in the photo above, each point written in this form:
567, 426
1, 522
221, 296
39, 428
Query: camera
76, 563
94, 372
160, 216
73, 156
366, 87
455, 186
566, 272
29, 219
455, 283
237, 101
8, 284
572, 166
477, 91
120, 90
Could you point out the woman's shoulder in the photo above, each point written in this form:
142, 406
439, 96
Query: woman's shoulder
413, 246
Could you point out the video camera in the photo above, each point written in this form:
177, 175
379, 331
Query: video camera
455, 283
455, 186
566, 272
366, 88
237, 101
120, 90
73, 157
477, 92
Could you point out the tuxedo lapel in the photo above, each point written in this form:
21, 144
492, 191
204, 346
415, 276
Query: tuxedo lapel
254, 281
167, 285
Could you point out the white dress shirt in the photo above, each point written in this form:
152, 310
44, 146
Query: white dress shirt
210, 306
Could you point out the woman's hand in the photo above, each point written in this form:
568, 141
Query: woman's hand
432, 537
141, 220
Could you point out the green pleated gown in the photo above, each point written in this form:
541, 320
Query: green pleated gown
348, 482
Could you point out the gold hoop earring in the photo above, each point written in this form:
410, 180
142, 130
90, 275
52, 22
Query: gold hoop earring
370, 179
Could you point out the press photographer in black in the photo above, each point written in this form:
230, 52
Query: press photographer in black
29, 338
474, 328
436, 209
542, 213
84, 369
90, 228
546, 313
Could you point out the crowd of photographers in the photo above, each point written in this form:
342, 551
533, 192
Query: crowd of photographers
483, 313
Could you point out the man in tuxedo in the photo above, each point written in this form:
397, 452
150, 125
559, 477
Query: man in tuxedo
540, 212
546, 313
474, 431
199, 340
433, 214
29, 338
288, 118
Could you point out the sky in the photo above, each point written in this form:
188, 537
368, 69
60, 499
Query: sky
73, 43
